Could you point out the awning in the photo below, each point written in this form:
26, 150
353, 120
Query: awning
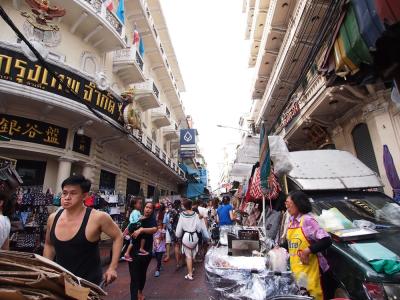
247, 152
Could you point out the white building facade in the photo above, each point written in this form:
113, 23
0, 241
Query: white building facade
84, 126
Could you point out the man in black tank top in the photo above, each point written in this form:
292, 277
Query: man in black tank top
73, 234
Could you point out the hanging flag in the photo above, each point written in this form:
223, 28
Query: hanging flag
109, 4
136, 37
141, 46
121, 11
265, 160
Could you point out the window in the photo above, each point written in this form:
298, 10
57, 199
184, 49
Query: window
363, 146
107, 180
31, 172
132, 187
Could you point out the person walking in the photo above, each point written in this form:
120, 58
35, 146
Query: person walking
225, 214
7, 206
138, 267
73, 234
170, 221
189, 225
159, 246
305, 242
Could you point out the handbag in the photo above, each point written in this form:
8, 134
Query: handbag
274, 187
255, 188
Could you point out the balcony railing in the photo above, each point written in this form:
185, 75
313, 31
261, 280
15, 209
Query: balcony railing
155, 90
149, 143
101, 10
139, 60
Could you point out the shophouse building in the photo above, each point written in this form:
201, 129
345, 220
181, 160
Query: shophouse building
310, 107
115, 116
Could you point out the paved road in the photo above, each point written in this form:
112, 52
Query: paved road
170, 285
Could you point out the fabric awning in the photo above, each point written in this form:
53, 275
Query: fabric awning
247, 152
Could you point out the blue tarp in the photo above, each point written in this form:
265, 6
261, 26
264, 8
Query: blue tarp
195, 188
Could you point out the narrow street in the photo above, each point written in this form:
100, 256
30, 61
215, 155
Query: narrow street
170, 285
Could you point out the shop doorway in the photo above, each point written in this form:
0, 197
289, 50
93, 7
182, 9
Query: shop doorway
32, 172
107, 181
363, 146
150, 191
132, 187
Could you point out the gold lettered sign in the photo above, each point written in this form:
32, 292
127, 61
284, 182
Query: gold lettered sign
22, 129
82, 144
15, 67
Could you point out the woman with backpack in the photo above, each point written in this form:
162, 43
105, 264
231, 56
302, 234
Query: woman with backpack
189, 225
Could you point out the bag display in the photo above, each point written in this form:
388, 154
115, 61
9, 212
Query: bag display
255, 188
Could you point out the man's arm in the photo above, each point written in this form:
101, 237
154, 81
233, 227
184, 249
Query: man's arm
49, 251
109, 227
231, 215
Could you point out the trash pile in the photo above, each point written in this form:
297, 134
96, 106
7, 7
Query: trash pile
27, 276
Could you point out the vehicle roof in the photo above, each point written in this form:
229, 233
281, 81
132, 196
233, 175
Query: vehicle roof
330, 170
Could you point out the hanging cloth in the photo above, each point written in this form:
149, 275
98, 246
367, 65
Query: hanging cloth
141, 45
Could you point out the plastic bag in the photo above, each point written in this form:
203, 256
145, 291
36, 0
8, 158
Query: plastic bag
245, 277
279, 155
332, 220
390, 212
278, 258
364, 224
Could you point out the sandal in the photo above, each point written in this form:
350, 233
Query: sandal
188, 277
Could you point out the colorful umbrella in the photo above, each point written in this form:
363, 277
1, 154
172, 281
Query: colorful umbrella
391, 173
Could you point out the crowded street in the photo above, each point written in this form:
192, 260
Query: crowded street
170, 285
199, 149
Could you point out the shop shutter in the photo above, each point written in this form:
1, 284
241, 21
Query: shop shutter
363, 145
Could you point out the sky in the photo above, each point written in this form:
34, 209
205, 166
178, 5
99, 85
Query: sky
208, 38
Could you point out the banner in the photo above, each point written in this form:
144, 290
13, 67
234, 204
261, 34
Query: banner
27, 130
15, 67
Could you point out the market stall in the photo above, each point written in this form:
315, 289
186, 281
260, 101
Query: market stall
242, 266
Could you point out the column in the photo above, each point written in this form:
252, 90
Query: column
64, 171
87, 171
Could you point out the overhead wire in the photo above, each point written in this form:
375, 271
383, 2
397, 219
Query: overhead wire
332, 13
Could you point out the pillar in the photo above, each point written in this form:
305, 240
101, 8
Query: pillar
64, 171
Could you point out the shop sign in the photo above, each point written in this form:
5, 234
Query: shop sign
290, 114
15, 67
82, 144
27, 130
187, 153
188, 138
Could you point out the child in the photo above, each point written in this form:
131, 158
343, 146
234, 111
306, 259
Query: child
159, 246
135, 224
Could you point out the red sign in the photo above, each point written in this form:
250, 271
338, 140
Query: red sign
292, 112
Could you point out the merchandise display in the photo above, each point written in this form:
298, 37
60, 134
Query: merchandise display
247, 277
30, 218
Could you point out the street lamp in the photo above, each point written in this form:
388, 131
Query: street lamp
229, 127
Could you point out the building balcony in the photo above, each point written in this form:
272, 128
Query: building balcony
92, 21
146, 95
128, 64
161, 116
171, 132
155, 50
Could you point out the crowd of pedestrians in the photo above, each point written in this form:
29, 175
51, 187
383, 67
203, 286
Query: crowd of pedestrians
177, 231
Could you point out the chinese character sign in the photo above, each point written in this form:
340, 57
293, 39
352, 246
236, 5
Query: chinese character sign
22, 129
82, 144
